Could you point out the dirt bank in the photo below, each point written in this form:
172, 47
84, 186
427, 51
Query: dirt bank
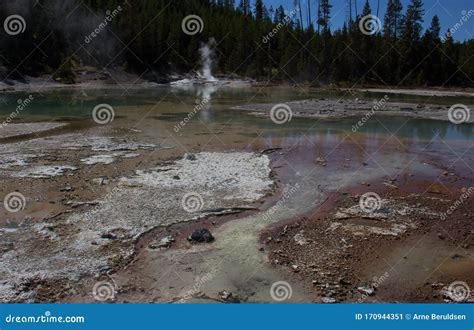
409, 250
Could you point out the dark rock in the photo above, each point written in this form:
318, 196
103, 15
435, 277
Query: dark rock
108, 236
201, 235
5, 247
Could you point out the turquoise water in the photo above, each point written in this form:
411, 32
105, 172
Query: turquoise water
171, 105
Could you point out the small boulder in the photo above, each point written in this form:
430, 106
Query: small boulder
202, 235
108, 235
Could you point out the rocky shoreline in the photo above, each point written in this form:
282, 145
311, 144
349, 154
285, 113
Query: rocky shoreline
345, 254
352, 107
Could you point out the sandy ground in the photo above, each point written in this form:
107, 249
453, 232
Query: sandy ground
407, 252
15, 130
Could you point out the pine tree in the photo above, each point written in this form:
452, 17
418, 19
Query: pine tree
435, 28
393, 19
367, 48
229, 4
413, 19
244, 7
403, 55
324, 16
279, 15
410, 45
430, 45
259, 10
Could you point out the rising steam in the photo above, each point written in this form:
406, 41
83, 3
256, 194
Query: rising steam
207, 56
